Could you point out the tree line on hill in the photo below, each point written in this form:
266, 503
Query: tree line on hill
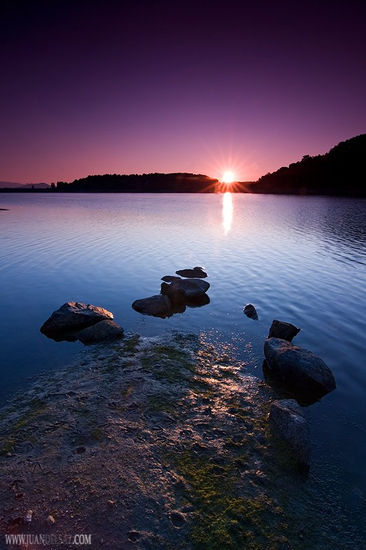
141, 183
340, 172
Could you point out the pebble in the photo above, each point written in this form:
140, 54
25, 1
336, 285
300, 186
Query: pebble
177, 519
134, 536
51, 520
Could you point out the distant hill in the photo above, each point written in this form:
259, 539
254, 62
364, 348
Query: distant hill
340, 172
143, 183
9, 184
36, 186
14, 185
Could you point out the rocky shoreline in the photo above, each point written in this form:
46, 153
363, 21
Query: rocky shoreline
159, 442
163, 442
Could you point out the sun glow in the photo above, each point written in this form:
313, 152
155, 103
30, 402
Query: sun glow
228, 177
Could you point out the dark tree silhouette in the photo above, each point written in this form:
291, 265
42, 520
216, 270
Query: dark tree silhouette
340, 172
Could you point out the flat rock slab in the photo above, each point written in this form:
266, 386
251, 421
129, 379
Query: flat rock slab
287, 422
100, 332
300, 370
195, 272
73, 316
280, 329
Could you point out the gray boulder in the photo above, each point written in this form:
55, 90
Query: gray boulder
280, 329
287, 422
73, 316
196, 272
250, 311
100, 332
158, 306
299, 369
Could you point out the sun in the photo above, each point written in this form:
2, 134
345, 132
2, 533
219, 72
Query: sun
228, 177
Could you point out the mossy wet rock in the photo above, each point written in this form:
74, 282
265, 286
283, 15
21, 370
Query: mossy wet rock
158, 305
71, 317
287, 422
300, 370
196, 272
100, 332
280, 329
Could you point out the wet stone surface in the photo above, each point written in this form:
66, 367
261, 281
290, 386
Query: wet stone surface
158, 443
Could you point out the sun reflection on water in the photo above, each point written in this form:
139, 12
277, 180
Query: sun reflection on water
227, 212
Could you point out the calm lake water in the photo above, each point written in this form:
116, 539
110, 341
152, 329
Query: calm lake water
298, 259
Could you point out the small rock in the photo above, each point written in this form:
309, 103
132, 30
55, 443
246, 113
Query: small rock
250, 311
51, 520
177, 519
196, 273
288, 422
280, 329
111, 502
134, 536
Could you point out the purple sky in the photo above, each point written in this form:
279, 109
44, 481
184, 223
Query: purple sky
143, 86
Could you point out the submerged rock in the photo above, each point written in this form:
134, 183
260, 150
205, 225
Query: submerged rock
300, 370
280, 329
71, 317
158, 305
196, 273
100, 332
250, 311
287, 421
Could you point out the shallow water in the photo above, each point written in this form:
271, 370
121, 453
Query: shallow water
298, 259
